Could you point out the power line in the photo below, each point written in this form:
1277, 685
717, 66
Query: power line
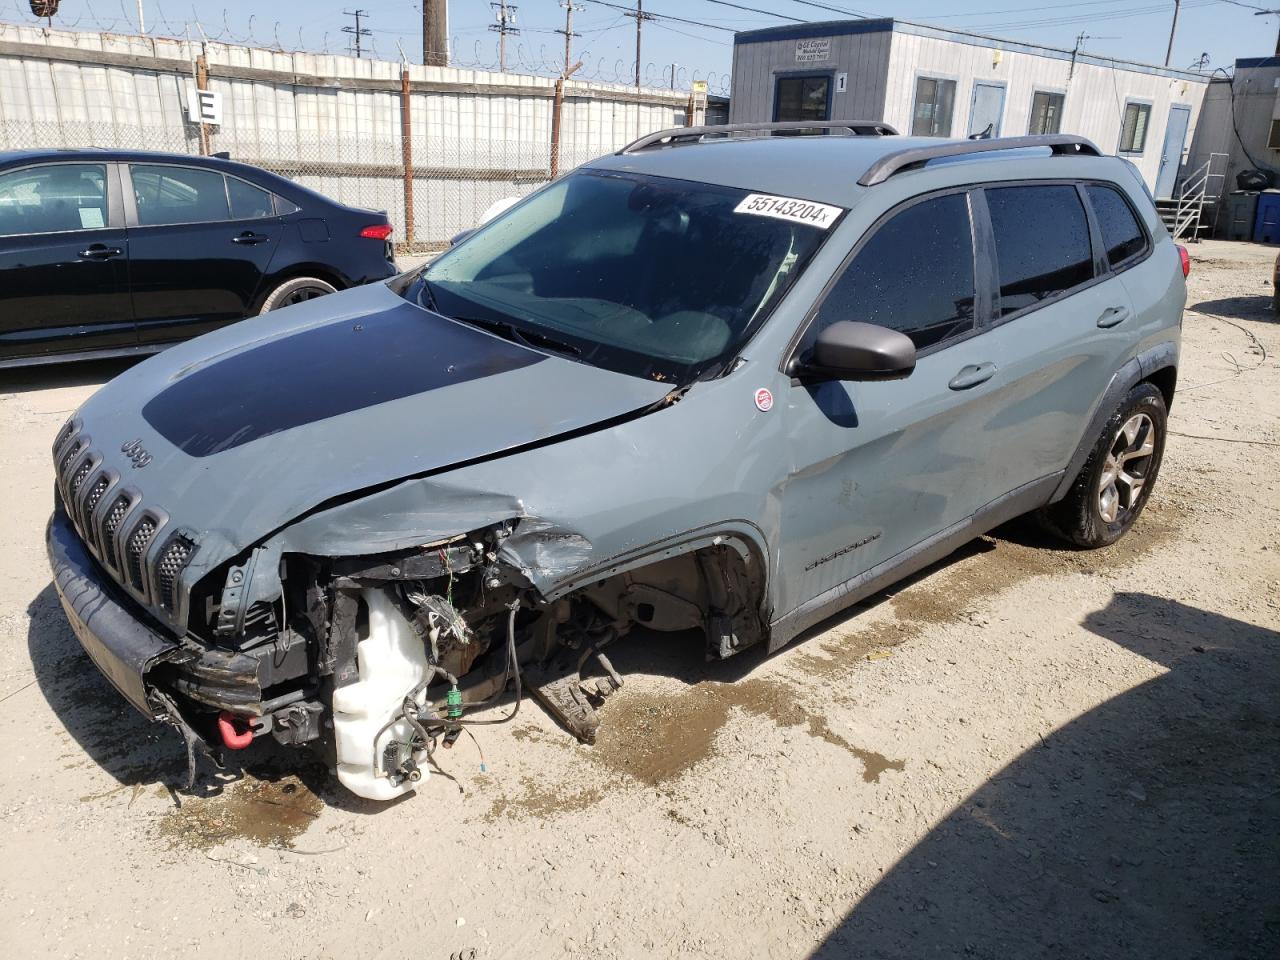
505, 14
767, 13
630, 12
357, 32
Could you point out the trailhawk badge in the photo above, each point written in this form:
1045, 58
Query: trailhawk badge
764, 400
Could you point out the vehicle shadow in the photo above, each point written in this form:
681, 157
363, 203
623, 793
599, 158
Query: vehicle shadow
55, 376
1239, 308
1144, 828
137, 752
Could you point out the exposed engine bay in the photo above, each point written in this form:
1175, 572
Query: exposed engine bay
380, 660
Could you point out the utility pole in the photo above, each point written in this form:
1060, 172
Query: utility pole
570, 8
435, 43
1173, 28
639, 16
1271, 13
357, 31
142, 20
505, 14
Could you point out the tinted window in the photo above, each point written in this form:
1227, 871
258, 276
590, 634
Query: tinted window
178, 195
1133, 132
801, 98
1042, 243
247, 201
52, 199
915, 275
646, 275
1046, 112
935, 102
1121, 234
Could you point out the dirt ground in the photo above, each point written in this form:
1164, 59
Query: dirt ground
1025, 752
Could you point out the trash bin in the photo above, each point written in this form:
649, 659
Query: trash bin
1242, 210
1266, 223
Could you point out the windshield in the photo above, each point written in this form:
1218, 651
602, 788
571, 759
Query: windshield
644, 275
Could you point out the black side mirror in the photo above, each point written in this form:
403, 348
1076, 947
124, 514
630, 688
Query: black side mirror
847, 350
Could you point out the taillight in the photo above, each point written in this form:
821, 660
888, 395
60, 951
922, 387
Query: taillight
1186, 259
378, 231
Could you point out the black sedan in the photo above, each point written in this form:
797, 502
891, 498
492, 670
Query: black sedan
110, 252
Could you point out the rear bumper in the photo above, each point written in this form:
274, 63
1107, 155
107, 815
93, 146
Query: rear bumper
123, 647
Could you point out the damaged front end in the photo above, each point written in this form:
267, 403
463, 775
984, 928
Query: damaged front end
378, 659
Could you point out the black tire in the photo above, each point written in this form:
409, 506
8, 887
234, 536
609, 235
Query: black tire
296, 290
1080, 517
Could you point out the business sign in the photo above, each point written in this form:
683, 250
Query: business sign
813, 50
204, 106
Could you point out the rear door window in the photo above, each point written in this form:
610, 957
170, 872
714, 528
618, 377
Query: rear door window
1042, 243
172, 195
53, 199
247, 201
914, 275
1122, 236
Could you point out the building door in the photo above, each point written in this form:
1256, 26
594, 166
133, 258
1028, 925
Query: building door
802, 98
1175, 138
987, 110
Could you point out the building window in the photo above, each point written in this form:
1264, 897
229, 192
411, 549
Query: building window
1273, 140
802, 98
1133, 132
1046, 113
935, 102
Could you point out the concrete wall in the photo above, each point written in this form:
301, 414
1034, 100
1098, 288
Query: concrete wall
332, 122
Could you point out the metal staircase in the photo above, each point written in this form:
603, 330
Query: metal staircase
1189, 213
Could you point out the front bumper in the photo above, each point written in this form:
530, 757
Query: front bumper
123, 647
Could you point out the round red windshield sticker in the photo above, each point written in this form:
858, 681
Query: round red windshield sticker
764, 400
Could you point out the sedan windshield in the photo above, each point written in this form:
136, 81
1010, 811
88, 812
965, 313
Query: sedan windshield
647, 276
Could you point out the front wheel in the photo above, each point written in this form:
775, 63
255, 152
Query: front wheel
1116, 480
297, 290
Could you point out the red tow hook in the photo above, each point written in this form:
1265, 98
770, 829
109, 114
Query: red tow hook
229, 727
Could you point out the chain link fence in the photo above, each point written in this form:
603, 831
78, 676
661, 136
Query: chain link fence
451, 183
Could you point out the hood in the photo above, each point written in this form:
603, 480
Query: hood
237, 433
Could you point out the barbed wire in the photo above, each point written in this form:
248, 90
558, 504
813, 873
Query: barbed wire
483, 55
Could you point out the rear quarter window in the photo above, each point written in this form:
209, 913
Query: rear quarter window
1122, 235
1042, 243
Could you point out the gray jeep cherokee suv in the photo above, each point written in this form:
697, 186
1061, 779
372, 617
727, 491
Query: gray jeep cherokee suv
730, 384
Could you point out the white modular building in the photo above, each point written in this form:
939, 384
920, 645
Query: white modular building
929, 81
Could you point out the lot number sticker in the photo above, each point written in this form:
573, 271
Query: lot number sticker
811, 214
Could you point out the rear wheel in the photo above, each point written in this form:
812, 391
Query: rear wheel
1116, 480
297, 290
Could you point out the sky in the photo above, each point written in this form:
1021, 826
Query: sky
1130, 29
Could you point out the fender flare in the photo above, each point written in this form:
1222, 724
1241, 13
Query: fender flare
1135, 370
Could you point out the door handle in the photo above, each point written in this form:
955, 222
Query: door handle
1113, 316
100, 252
250, 238
972, 375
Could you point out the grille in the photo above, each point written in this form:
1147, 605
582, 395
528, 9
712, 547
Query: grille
79, 477
111, 524
91, 501
63, 436
70, 458
173, 560
136, 550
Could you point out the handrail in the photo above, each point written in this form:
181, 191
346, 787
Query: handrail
678, 135
899, 160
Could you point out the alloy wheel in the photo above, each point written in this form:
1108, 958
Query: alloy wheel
1126, 469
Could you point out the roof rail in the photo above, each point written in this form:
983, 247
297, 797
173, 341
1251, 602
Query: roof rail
1062, 145
678, 135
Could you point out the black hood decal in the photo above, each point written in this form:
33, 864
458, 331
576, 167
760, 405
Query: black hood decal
324, 372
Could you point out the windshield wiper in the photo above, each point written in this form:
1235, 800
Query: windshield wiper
521, 335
